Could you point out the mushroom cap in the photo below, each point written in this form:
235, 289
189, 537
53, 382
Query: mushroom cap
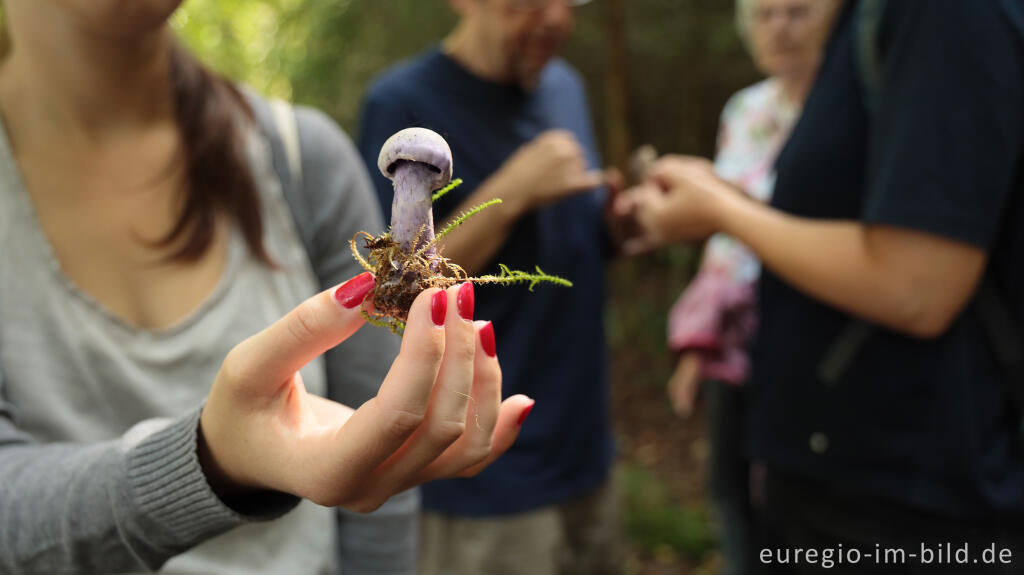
417, 145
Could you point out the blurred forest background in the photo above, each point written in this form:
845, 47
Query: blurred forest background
658, 71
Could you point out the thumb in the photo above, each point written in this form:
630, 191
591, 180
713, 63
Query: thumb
270, 358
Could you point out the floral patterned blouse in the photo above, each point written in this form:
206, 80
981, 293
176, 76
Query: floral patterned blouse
716, 314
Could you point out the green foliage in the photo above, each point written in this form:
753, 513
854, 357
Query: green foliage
241, 39
656, 524
683, 55
321, 53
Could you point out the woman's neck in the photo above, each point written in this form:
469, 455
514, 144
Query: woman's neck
85, 86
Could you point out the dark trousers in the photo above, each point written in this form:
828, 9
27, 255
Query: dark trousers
864, 536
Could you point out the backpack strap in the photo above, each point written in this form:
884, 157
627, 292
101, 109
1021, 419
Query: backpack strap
867, 29
288, 130
278, 122
843, 350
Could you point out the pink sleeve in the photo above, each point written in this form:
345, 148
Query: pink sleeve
695, 320
715, 317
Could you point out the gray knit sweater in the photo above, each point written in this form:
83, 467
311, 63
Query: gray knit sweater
98, 418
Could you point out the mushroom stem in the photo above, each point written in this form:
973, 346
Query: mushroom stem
412, 219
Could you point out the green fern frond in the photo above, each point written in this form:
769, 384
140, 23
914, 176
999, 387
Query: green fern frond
510, 276
465, 216
437, 195
456, 223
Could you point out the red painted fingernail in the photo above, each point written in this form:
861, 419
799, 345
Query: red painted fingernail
465, 301
526, 411
487, 339
352, 293
439, 307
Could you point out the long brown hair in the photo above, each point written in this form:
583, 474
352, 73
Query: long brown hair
211, 113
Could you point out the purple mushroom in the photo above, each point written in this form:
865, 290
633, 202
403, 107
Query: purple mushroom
418, 161
405, 259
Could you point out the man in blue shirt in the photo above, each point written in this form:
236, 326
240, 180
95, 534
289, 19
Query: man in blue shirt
890, 207
518, 124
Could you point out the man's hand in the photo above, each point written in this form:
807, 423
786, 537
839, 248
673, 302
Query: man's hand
546, 170
550, 168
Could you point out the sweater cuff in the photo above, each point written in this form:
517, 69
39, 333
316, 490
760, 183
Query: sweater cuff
171, 489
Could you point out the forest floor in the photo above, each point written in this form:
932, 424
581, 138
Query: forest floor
662, 469
662, 457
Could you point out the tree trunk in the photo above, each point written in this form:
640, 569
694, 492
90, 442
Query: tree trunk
616, 82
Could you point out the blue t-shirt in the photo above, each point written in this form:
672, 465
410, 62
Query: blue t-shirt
925, 423
550, 341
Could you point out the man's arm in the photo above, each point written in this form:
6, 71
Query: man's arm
546, 170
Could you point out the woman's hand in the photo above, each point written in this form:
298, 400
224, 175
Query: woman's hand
681, 201
437, 414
